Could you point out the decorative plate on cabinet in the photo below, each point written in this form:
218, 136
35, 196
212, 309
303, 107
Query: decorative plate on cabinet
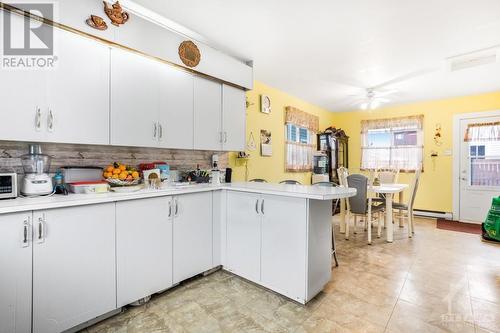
189, 53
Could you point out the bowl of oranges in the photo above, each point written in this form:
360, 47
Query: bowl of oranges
118, 174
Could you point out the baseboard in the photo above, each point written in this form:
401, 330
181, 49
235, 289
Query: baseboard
434, 214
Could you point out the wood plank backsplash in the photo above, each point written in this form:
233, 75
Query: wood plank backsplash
93, 155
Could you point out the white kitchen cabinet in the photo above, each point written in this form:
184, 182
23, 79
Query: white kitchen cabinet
77, 107
192, 235
134, 100
23, 96
73, 266
143, 248
283, 259
243, 234
15, 273
207, 114
176, 108
233, 118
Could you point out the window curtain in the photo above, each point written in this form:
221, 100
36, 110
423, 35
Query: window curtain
298, 153
483, 132
401, 157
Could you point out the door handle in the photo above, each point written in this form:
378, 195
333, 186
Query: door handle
38, 119
41, 230
155, 130
26, 229
50, 121
262, 206
257, 206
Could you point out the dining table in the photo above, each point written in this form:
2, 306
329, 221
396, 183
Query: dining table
387, 191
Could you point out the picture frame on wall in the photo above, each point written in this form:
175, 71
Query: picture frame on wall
266, 148
265, 104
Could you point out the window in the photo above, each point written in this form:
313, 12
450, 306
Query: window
392, 143
301, 129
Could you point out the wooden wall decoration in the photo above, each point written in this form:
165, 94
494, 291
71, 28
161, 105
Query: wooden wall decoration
116, 13
189, 53
96, 22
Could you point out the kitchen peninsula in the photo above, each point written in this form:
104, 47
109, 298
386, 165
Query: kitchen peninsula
119, 248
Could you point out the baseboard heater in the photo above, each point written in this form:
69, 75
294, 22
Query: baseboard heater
433, 213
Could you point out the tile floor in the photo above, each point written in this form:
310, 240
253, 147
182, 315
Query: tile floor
439, 281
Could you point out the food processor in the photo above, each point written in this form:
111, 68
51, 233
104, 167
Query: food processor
36, 173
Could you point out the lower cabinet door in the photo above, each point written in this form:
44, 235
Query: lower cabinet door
143, 248
283, 258
73, 266
15, 273
192, 230
243, 234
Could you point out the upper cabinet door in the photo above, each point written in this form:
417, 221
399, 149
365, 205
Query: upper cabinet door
176, 108
207, 114
15, 279
22, 92
134, 100
233, 118
77, 108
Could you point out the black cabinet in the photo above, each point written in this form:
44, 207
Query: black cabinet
334, 142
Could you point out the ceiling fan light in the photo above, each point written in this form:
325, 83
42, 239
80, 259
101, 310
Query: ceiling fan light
364, 106
374, 105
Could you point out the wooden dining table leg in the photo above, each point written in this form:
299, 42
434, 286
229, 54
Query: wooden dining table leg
342, 216
388, 217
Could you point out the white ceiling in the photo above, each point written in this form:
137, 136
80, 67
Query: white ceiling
318, 50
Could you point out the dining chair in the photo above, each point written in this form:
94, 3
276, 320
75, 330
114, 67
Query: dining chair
387, 176
334, 248
290, 182
358, 205
258, 180
405, 210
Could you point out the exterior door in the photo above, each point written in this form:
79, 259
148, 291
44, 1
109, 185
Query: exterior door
283, 261
73, 266
479, 172
244, 234
15, 277
134, 100
78, 91
207, 114
143, 248
192, 235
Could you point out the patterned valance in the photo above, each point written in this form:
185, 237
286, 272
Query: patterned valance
300, 118
483, 132
409, 122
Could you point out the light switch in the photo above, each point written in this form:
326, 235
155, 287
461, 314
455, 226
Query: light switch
447, 152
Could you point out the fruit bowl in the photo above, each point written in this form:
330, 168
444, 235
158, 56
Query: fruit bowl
118, 182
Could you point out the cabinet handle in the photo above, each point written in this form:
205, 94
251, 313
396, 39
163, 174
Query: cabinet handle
169, 208
26, 228
38, 119
160, 127
262, 206
176, 208
257, 206
155, 130
41, 230
220, 137
50, 121
225, 137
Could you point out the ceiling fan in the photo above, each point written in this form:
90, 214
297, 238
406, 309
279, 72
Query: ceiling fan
375, 96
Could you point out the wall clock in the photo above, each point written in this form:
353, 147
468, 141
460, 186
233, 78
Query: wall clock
265, 104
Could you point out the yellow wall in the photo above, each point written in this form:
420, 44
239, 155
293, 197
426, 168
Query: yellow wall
273, 168
435, 190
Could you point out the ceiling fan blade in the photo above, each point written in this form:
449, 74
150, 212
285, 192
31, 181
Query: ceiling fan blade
383, 93
407, 76
382, 100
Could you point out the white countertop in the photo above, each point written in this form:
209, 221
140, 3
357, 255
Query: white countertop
59, 201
